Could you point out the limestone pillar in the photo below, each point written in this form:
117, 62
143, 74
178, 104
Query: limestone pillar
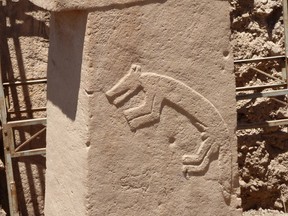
141, 109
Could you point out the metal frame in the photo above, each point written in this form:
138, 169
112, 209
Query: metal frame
258, 59
272, 123
10, 151
260, 87
283, 83
263, 94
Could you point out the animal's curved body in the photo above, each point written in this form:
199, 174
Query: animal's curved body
202, 113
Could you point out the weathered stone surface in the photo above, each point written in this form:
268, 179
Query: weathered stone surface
141, 111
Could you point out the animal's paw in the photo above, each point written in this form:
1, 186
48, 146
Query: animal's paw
130, 114
185, 172
192, 169
191, 159
133, 125
189, 170
186, 169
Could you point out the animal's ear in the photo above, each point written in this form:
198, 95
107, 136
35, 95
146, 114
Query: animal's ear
135, 68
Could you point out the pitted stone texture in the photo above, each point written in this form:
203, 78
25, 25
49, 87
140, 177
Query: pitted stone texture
152, 89
64, 5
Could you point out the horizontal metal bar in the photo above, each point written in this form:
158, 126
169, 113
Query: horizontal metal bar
27, 122
263, 94
28, 110
26, 82
280, 101
32, 152
247, 88
258, 59
266, 74
271, 123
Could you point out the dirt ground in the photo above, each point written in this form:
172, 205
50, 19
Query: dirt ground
262, 212
257, 31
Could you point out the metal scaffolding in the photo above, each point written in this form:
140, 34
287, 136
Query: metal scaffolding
12, 151
281, 87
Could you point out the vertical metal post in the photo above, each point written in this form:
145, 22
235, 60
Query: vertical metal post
12, 192
285, 19
7, 135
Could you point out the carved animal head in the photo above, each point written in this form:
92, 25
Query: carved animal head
125, 86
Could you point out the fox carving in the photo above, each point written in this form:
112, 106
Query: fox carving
205, 117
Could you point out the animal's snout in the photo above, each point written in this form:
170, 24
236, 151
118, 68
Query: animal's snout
125, 86
110, 94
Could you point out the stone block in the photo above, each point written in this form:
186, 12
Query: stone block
141, 110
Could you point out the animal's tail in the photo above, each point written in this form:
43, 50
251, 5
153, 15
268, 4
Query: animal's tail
225, 166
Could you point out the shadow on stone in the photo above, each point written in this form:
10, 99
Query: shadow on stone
65, 60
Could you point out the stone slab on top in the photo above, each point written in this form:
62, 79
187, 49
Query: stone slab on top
65, 5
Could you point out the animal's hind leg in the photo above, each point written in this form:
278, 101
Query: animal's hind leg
203, 151
194, 168
201, 167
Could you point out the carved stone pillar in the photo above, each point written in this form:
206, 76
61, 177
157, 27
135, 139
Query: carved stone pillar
141, 109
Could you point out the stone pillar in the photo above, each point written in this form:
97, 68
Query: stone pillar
141, 111
67, 108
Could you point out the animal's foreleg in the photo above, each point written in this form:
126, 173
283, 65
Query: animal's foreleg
143, 109
152, 116
202, 152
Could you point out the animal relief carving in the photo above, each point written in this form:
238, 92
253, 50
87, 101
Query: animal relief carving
201, 112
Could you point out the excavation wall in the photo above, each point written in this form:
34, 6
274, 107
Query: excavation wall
257, 31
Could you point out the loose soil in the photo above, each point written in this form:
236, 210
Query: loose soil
263, 212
